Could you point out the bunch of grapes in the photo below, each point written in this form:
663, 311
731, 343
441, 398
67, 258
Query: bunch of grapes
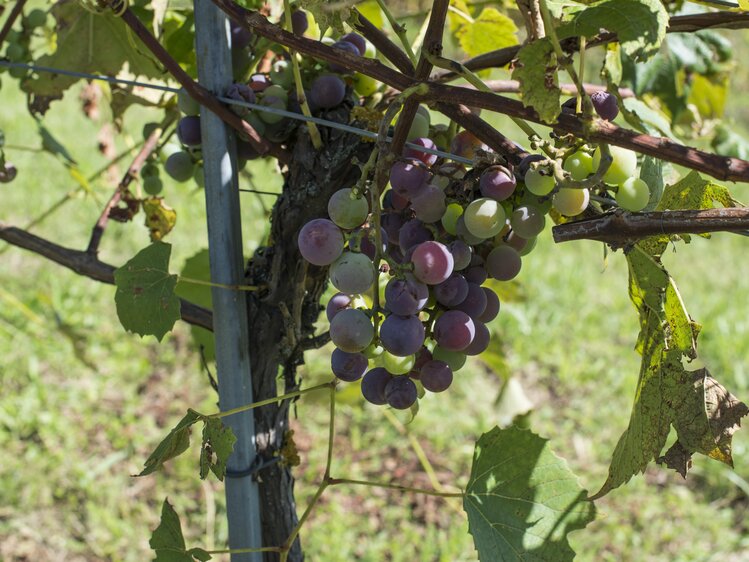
19, 40
325, 87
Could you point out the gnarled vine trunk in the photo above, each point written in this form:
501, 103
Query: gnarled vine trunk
285, 315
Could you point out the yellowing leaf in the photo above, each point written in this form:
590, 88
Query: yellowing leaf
160, 218
491, 30
709, 95
539, 84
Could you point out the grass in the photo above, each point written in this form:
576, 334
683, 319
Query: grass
84, 403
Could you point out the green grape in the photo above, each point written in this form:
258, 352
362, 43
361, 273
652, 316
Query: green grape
36, 18
450, 218
276, 91
18, 72
484, 218
199, 176
579, 165
623, 165
282, 74
187, 105
633, 194
152, 185
420, 125
454, 359
15, 53
571, 202
365, 85
538, 183
398, 365
347, 211
373, 351
148, 170
529, 246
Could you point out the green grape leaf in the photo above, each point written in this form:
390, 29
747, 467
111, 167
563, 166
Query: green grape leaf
329, 14
522, 500
145, 299
372, 11
87, 42
198, 267
651, 172
490, 31
648, 119
168, 541
709, 94
160, 217
173, 445
727, 142
536, 71
612, 64
640, 25
456, 20
218, 443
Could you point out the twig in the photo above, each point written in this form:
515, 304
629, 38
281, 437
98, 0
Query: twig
88, 265
315, 342
199, 93
432, 47
621, 228
400, 31
14, 13
336, 481
720, 167
132, 172
568, 89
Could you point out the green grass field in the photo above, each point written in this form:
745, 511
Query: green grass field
83, 403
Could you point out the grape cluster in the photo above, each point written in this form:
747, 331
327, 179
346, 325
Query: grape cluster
325, 87
19, 40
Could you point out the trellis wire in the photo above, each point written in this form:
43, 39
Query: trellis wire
255, 106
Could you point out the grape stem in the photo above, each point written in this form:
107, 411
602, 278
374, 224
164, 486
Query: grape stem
220, 285
399, 30
564, 181
272, 400
314, 133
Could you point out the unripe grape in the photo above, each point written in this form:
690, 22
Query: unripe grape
571, 202
623, 165
633, 194
539, 182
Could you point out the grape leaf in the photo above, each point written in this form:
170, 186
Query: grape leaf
648, 119
522, 500
218, 443
640, 25
145, 299
160, 218
329, 14
651, 172
92, 43
727, 142
491, 30
168, 541
536, 70
198, 267
173, 445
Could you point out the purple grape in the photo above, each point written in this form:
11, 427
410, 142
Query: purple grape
401, 393
402, 335
8, 173
320, 242
515, 241
412, 233
436, 376
525, 164
492, 306
452, 291
299, 23
425, 157
357, 40
605, 105
497, 182
259, 82
429, 204
475, 302
433, 263
480, 340
188, 130
241, 92
327, 91
422, 357
392, 223
405, 297
180, 166
337, 302
344, 46
351, 330
503, 263
407, 177
454, 330
461, 253
367, 243
476, 274
348, 367
373, 386
241, 37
